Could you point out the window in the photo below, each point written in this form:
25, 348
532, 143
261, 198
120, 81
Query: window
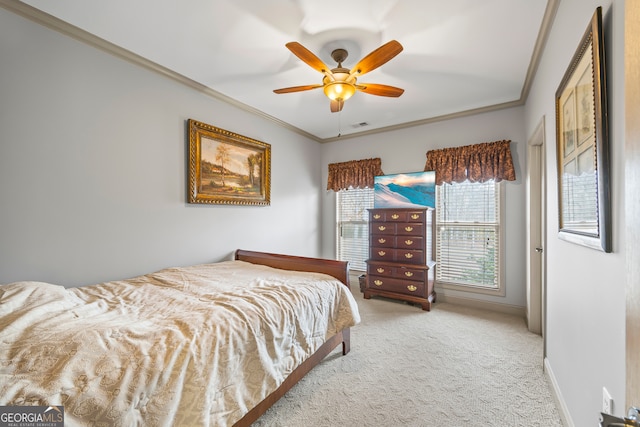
352, 226
468, 228
468, 218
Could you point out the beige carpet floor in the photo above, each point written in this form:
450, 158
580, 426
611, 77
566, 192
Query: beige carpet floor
453, 366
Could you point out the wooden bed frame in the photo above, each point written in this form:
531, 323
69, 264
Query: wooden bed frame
337, 269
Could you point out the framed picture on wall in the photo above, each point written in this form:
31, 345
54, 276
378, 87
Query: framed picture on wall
582, 145
227, 168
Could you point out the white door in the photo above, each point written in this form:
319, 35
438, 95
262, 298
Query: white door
632, 201
535, 235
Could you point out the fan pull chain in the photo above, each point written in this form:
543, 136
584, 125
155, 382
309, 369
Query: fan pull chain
339, 123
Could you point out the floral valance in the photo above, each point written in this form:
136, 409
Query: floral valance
476, 163
354, 173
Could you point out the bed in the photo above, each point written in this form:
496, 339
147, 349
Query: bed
207, 345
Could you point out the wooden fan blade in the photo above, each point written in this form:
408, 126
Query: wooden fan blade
337, 105
297, 88
381, 55
307, 56
380, 90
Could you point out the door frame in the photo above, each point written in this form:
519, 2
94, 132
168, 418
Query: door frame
632, 202
536, 220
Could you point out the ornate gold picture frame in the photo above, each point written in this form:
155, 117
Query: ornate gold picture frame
227, 168
582, 145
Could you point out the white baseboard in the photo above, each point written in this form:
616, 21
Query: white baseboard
486, 305
557, 395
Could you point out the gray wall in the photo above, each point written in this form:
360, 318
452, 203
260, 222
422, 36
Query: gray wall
585, 287
93, 166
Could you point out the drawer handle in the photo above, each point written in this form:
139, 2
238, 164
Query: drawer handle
376, 216
415, 216
408, 228
409, 256
382, 240
382, 253
380, 270
377, 282
382, 228
408, 273
412, 288
408, 242
395, 216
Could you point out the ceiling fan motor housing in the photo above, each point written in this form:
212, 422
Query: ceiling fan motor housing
339, 55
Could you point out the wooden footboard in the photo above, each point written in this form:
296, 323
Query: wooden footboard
295, 376
337, 269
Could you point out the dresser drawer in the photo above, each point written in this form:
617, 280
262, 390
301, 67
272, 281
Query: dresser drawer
377, 216
406, 287
378, 253
409, 256
383, 240
409, 242
374, 269
410, 229
384, 228
417, 216
410, 273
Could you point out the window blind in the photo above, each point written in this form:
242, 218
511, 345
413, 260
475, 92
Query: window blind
352, 226
468, 234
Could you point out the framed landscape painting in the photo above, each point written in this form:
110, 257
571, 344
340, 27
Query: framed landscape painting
227, 168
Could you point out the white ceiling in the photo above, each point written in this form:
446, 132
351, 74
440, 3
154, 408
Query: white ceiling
459, 55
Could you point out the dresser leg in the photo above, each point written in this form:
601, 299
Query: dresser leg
426, 306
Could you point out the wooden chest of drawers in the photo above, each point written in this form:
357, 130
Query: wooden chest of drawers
400, 263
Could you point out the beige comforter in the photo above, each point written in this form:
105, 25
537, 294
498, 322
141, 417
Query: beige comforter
194, 346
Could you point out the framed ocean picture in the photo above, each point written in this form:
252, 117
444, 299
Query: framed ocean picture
405, 190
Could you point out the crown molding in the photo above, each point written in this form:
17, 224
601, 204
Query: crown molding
541, 41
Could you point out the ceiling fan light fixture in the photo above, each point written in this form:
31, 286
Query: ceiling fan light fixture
339, 91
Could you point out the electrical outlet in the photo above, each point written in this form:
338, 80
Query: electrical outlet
607, 402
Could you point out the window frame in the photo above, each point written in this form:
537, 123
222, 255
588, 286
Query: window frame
500, 290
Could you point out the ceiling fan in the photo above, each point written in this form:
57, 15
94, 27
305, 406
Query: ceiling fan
341, 83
